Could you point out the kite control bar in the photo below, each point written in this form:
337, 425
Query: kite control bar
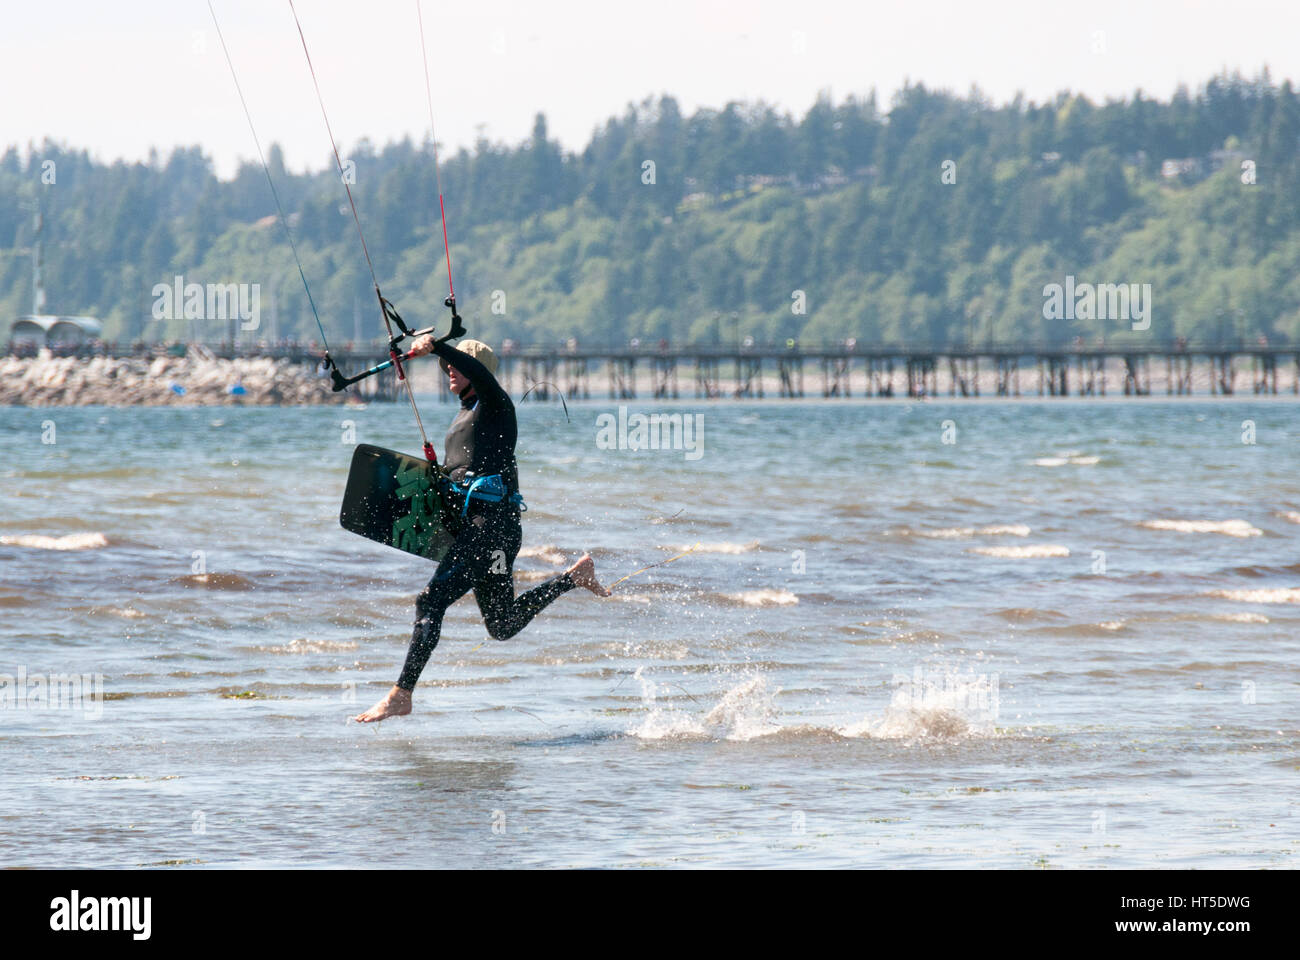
395, 359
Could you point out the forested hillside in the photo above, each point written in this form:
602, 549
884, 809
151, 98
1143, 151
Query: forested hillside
933, 219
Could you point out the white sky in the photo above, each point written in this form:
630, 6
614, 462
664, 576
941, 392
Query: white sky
119, 77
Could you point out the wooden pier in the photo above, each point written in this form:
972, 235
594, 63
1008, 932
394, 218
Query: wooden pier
704, 373
541, 374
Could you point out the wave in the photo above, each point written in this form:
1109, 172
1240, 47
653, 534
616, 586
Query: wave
1292, 515
530, 575
1262, 595
303, 645
1023, 553
1264, 570
44, 524
961, 533
71, 541
112, 473
760, 598
1229, 528
915, 636
1080, 461
215, 581
1240, 617
547, 553
1017, 614
714, 547
1102, 629
686, 519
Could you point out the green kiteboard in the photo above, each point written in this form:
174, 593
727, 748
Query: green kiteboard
393, 499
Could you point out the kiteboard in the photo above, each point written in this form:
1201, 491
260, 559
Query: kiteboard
394, 499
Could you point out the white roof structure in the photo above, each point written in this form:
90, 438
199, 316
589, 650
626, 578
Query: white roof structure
50, 329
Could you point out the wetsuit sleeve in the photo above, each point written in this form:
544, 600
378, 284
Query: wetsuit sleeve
486, 387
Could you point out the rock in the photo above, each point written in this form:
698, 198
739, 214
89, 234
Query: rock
45, 380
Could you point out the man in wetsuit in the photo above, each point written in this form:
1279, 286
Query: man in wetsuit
480, 443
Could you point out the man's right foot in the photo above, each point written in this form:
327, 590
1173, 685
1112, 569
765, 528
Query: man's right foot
583, 574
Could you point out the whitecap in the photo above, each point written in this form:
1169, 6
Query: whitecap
763, 598
547, 553
1229, 528
715, 547
1035, 551
1262, 595
72, 541
992, 530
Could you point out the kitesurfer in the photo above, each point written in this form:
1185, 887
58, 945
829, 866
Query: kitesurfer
480, 463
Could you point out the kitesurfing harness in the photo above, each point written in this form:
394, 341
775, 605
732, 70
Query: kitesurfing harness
489, 489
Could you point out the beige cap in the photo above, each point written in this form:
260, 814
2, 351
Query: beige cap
477, 349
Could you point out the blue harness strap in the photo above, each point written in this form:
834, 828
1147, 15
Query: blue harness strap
490, 489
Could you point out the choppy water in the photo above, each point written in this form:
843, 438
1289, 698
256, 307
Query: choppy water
1068, 638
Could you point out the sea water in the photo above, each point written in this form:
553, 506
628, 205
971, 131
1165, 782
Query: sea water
903, 634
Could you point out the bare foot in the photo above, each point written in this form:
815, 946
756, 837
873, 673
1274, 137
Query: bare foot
583, 574
397, 703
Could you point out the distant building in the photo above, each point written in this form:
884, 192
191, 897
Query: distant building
49, 331
1187, 168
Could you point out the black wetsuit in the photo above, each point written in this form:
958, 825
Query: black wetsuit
480, 443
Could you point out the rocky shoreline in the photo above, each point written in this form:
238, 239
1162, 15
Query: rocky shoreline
48, 381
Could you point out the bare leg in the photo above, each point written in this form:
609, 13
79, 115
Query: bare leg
396, 703
583, 574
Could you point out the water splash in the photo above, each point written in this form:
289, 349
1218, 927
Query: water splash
745, 712
935, 706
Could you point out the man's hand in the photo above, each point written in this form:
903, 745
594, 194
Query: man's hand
421, 345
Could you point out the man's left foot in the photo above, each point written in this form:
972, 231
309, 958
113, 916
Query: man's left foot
583, 574
396, 704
